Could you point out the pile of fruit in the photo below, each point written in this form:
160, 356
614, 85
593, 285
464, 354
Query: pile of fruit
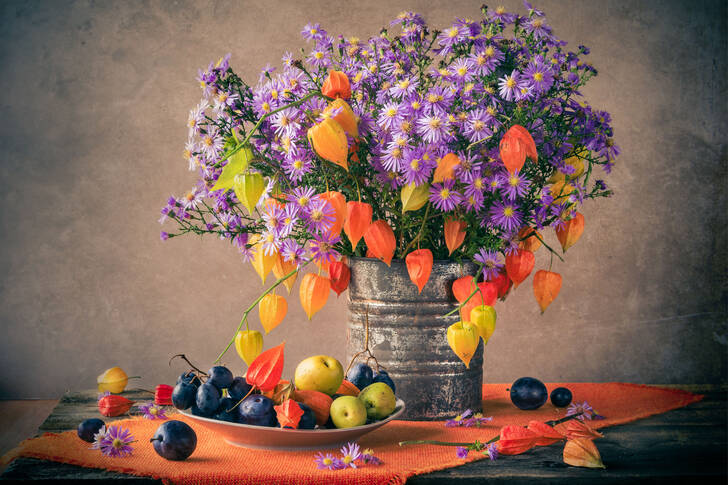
325, 399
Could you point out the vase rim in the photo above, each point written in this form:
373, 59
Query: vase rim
400, 260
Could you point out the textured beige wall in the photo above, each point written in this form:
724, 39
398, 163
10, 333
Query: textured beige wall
95, 97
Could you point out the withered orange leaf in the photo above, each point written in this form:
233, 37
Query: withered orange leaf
546, 287
419, 267
514, 440
548, 435
289, 414
582, 452
265, 371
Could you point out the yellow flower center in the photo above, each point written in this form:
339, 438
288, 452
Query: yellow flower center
392, 175
434, 98
153, 411
266, 106
415, 164
489, 51
319, 55
478, 125
391, 112
444, 194
404, 84
478, 183
537, 23
347, 459
452, 32
285, 121
406, 126
317, 215
327, 461
303, 201
298, 164
397, 153
490, 110
117, 443
513, 181
508, 211
511, 83
208, 141
435, 123
462, 71
314, 31
538, 77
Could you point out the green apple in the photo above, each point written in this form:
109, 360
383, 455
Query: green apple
319, 373
378, 399
347, 412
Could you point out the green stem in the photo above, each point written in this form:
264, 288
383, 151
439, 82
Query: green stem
547, 246
477, 289
252, 306
419, 233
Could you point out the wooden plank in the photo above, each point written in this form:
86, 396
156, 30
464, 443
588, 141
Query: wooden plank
681, 445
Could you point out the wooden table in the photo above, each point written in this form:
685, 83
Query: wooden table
674, 447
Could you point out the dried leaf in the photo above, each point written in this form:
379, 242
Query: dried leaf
514, 440
419, 267
289, 414
265, 371
548, 435
283, 391
582, 452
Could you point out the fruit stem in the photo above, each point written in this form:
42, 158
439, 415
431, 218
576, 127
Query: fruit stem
252, 306
476, 290
241, 400
184, 357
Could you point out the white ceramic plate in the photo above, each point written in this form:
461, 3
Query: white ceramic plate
266, 438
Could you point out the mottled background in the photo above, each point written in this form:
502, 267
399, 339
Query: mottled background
94, 100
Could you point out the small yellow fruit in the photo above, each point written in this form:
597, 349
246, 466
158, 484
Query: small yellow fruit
113, 380
483, 317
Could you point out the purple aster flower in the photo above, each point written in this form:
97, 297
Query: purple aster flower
116, 442
499, 14
438, 100
404, 87
293, 252
367, 457
270, 241
506, 215
303, 196
418, 165
389, 115
289, 217
98, 438
477, 421
514, 185
212, 142
584, 408
273, 217
491, 263
163, 236
492, 451
312, 31
459, 419
476, 126
322, 248
509, 86
463, 70
473, 202
197, 117
537, 26
433, 128
462, 452
328, 461
538, 74
152, 411
444, 196
286, 122
351, 453
451, 37
319, 215
319, 58
297, 164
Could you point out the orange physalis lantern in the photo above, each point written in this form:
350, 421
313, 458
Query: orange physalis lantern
114, 405
419, 267
281, 268
570, 231
462, 288
512, 152
528, 238
454, 233
328, 140
337, 201
262, 263
527, 140
346, 117
249, 344
289, 414
502, 283
546, 286
358, 220
514, 440
446, 168
519, 265
463, 338
265, 371
380, 239
339, 275
548, 435
336, 85
582, 452
272, 310
314, 291
579, 429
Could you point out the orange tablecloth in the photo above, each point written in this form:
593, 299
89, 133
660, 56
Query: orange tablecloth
216, 462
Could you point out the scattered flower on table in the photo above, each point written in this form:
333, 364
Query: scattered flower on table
468, 419
462, 452
151, 410
328, 461
98, 438
492, 451
116, 442
367, 457
351, 453
584, 408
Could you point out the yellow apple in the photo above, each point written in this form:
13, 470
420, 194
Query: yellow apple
347, 412
378, 399
319, 373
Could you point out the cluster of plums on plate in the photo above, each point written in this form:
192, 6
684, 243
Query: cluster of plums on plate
529, 393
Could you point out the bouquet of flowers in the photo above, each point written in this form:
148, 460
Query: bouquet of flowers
464, 144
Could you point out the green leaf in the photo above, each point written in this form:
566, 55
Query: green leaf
236, 165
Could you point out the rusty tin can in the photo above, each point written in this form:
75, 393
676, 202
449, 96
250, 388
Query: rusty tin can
407, 335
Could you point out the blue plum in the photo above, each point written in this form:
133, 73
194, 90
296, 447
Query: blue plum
561, 397
361, 375
220, 377
258, 410
174, 440
183, 395
207, 399
239, 389
88, 428
528, 393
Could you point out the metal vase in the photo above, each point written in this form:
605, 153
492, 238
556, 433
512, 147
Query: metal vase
408, 335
